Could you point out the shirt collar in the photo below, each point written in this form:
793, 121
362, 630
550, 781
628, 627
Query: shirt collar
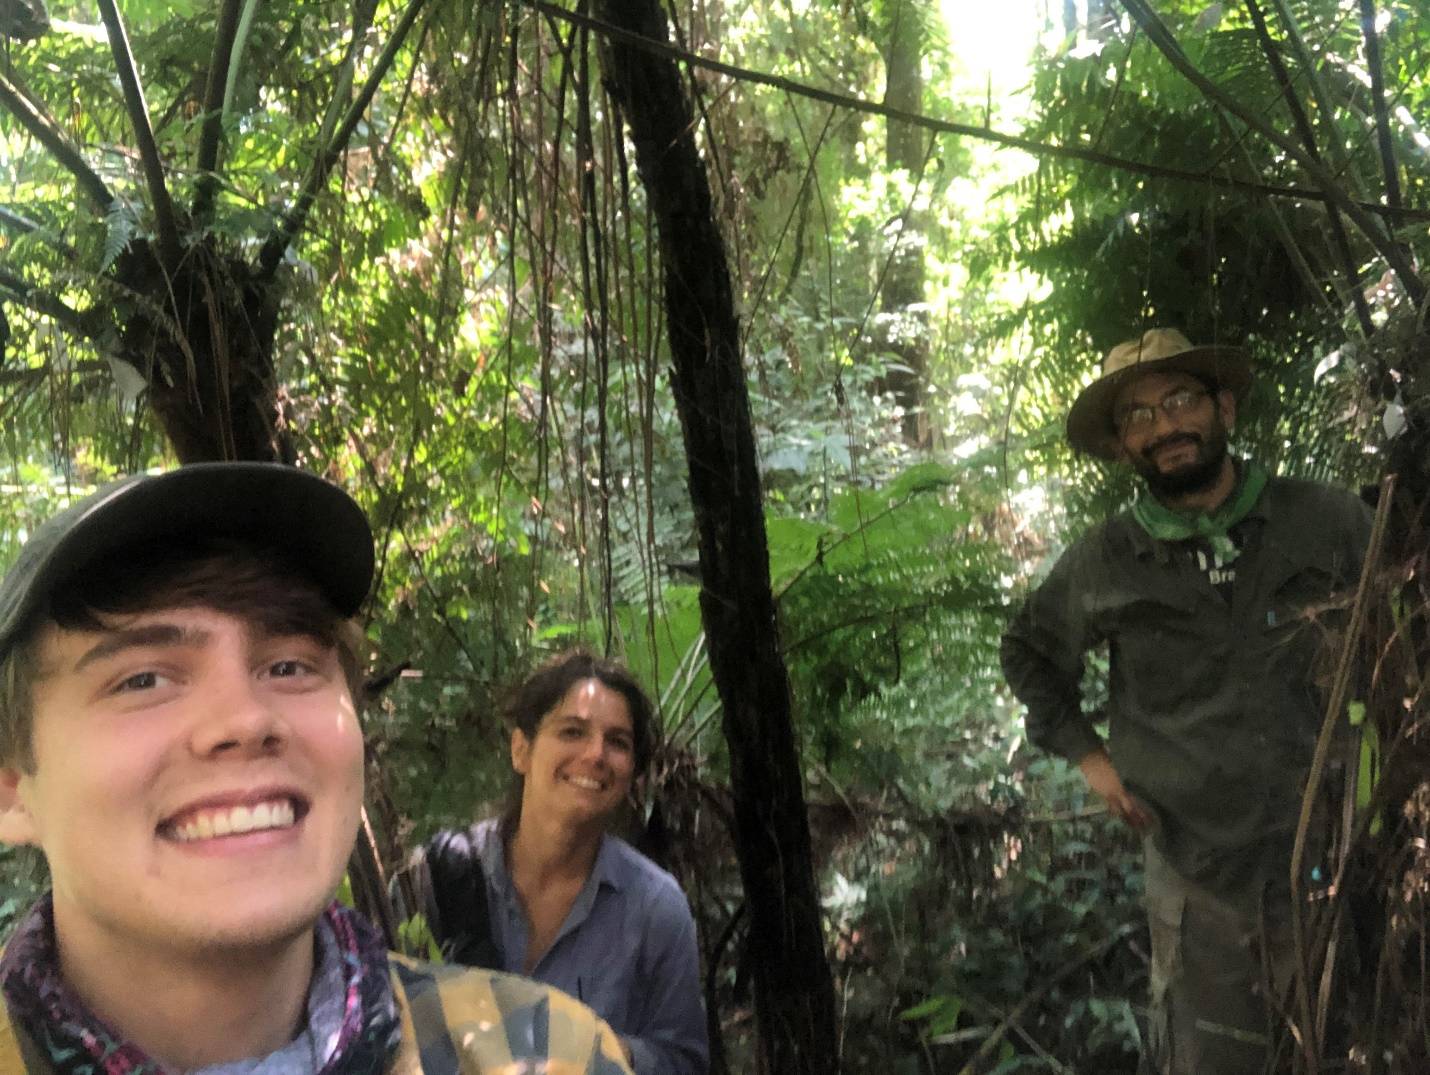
607, 867
606, 870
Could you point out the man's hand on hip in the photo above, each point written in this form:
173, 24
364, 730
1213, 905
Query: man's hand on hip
1102, 778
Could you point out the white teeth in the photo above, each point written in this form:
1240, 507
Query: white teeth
206, 824
585, 782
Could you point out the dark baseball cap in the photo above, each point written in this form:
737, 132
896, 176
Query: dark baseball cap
307, 519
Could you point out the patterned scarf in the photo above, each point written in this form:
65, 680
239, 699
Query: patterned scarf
77, 1043
1164, 524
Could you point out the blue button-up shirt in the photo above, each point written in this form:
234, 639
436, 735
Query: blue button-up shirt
627, 949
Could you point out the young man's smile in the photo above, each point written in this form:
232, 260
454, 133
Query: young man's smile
227, 817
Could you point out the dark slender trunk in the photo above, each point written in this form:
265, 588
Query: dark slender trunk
905, 326
794, 995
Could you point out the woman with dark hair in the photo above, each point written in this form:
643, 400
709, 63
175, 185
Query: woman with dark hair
566, 902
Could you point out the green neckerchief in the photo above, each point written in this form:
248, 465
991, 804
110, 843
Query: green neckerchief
1164, 524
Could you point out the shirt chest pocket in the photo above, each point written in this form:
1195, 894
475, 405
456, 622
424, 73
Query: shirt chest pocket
605, 975
1311, 594
1303, 620
1308, 587
1157, 647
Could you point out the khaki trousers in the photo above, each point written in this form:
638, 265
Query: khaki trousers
1209, 1011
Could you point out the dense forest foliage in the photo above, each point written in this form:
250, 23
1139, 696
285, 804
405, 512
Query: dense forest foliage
417, 246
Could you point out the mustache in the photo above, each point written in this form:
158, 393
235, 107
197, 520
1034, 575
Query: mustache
1180, 437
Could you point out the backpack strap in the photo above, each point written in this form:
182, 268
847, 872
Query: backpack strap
459, 917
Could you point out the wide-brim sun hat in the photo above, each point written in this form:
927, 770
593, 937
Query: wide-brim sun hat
1159, 350
312, 522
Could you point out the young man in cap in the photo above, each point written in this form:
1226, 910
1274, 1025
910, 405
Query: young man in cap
1206, 593
178, 736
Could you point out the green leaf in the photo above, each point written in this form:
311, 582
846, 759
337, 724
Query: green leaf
414, 936
793, 543
946, 1021
923, 1009
1355, 713
1368, 772
920, 478
119, 228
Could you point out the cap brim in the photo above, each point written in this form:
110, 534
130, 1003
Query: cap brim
1090, 428
311, 521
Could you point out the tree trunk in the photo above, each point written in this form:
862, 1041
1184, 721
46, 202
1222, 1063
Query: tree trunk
905, 324
794, 995
203, 340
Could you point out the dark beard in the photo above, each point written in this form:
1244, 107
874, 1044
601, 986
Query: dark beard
1194, 477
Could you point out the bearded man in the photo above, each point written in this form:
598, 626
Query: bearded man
1208, 593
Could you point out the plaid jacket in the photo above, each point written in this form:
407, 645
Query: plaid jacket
461, 1021
455, 1021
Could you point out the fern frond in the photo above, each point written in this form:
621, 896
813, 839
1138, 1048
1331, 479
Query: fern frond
120, 225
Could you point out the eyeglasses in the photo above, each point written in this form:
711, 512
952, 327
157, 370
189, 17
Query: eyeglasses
1174, 405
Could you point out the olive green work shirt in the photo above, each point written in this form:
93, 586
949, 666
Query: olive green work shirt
1213, 711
